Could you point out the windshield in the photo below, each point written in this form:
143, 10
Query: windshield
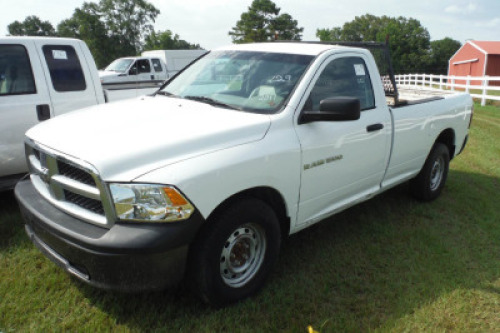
119, 65
249, 81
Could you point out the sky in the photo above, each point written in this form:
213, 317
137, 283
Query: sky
207, 22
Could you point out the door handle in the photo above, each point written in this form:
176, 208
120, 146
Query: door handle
43, 112
374, 127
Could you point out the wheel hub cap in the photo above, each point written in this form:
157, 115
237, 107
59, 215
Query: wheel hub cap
242, 255
437, 173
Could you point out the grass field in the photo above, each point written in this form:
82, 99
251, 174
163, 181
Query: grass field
390, 264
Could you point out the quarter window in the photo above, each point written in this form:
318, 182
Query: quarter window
64, 67
347, 77
16, 75
156, 64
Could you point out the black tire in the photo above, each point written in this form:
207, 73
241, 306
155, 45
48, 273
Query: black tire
235, 252
429, 183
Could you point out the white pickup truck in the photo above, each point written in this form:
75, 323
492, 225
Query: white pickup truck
143, 72
40, 78
249, 144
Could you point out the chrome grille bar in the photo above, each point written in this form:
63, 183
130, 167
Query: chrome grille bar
77, 187
73, 186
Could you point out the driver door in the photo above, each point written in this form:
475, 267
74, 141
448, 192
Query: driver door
343, 162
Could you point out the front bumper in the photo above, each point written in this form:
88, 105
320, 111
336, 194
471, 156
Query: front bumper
126, 257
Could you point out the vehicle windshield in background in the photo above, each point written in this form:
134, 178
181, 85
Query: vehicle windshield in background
250, 81
119, 65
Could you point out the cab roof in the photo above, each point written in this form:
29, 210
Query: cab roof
303, 48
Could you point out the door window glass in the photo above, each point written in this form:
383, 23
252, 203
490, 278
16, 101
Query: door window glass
16, 75
143, 66
64, 67
346, 77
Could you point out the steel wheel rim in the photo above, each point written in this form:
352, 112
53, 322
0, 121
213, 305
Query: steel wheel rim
437, 173
242, 255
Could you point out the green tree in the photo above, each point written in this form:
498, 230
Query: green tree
409, 40
441, 51
128, 20
85, 24
166, 40
262, 22
285, 28
111, 28
327, 35
31, 26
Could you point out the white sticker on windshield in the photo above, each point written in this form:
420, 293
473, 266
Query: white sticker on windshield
59, 54
360, 69
281, 78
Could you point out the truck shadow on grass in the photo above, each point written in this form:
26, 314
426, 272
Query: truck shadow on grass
362, 269
11, 224
374, 263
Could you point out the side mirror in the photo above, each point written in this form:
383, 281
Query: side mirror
334, 109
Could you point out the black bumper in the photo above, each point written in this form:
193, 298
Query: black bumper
126, 257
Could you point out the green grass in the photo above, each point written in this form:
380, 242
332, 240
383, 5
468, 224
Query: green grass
390, 264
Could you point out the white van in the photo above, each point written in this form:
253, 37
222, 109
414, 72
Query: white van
40, 78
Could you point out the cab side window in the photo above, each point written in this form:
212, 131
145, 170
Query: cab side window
346, 77
16, 75
65, 68
143, 66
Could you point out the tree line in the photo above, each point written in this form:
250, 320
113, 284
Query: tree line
411, 49
111, 29
117, 28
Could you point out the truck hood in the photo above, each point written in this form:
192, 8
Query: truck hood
106, 75
124, 140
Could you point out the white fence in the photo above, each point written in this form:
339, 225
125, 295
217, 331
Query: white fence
443, 82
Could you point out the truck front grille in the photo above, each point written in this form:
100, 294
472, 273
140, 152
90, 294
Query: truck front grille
75, 173
71, 185
84, 202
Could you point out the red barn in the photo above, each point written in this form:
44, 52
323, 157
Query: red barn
476, 58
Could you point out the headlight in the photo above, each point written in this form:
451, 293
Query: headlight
149, 203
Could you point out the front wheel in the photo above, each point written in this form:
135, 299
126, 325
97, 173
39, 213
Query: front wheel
234, 253
429, 183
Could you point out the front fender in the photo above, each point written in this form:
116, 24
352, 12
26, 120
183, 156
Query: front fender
210, 179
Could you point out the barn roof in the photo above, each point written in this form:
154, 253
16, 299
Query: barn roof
488, 47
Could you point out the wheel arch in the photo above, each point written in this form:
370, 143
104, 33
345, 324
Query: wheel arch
269, 195
447, 137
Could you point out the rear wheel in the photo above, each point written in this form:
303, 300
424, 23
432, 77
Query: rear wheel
235, 252
429, 183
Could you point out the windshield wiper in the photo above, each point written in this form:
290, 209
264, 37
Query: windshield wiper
165, 93
210, 101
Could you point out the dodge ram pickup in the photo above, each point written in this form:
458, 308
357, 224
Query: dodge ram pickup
253, 142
